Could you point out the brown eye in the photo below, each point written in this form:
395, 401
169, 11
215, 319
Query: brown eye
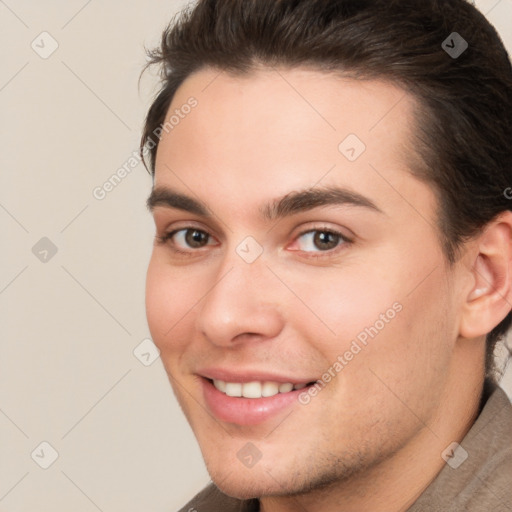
319, 240
195, 238
325, 240
187, 238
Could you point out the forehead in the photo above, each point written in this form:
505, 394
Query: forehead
274, 130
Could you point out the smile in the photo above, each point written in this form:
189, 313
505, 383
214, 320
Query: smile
255, 389
249, 403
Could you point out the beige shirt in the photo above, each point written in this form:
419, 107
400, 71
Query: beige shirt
481, 483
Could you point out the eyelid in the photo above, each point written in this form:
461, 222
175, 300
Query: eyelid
165, 227
164, 218
344, 232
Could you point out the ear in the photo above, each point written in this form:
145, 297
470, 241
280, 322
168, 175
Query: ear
490, 299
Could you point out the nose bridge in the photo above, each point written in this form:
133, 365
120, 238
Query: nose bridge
243, 299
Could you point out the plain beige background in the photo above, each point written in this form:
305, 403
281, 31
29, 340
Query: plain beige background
73, 266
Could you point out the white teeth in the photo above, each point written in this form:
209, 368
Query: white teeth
285, 388
269, 389
255, 389
233, 389
251, 389
220, 385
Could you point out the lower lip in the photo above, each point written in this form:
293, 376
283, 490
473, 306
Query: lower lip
246, 411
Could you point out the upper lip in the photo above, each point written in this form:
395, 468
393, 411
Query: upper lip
249, 375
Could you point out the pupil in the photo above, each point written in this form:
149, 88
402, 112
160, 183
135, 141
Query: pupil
196, 238
325, 240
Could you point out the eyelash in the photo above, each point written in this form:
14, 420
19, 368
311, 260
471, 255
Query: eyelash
344, 240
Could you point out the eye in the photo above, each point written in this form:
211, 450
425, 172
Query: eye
318, 240
187, 238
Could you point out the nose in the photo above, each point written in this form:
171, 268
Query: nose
242, 305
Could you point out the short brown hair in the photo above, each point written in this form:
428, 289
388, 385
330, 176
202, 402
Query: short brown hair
464, 121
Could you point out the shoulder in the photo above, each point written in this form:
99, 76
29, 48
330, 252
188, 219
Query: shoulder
490, 441
211, 499
481, 478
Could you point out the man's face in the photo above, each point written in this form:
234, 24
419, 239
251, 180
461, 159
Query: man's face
257, 289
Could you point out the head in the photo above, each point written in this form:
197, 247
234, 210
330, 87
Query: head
335, 192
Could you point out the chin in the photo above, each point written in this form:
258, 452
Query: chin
243, 487
262, 480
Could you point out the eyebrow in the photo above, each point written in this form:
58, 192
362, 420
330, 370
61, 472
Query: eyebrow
290, 204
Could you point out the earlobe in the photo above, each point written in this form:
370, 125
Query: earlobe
490, 298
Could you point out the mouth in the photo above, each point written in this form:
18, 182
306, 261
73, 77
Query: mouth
256, 389
250, 403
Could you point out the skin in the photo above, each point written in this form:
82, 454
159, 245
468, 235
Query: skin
372, 438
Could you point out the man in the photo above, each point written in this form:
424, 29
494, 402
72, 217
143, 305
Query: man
333, 257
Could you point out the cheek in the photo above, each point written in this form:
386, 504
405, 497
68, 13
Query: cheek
389, 343
381, 315
169, 297
341, 304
